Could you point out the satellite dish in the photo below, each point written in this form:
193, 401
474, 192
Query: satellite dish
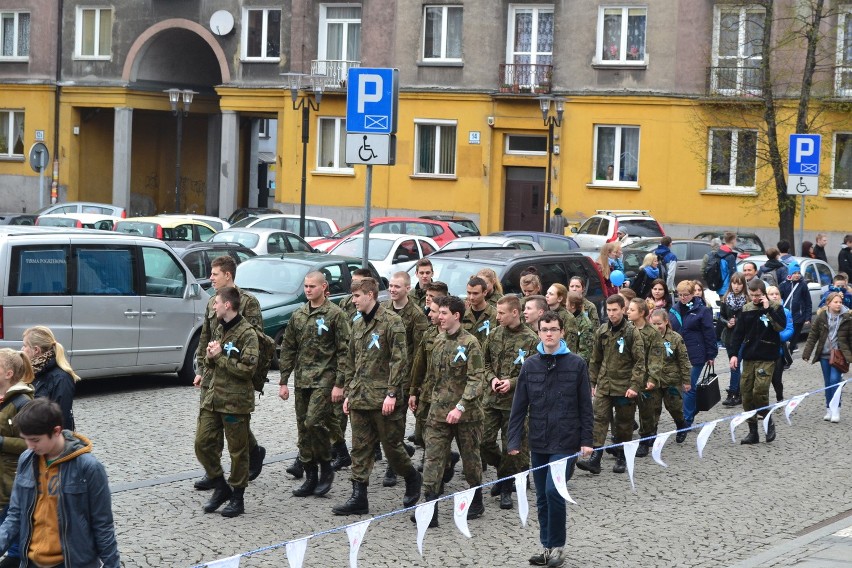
221, 23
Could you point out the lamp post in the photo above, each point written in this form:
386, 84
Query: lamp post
305, 104
176, 97
550, 121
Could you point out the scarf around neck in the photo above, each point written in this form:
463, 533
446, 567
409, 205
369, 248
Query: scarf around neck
40, 361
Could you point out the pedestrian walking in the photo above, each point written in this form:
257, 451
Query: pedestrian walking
674, 375
773, 271
54, 377
832, 329
556, 296
424, 272
480, 317
647, 273
530, 284
577, 284
730, 306
807, 249
667, 262
585, 327
719, 266
494, 290
774, 295
819, 247
844, 257
637, 314
660, 295
796, 298
558, 222
608, 261
534, 308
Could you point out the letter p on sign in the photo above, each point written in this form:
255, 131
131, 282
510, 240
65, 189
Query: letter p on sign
804, 148
372, 97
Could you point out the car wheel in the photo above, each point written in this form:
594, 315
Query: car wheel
279, 337
187, 373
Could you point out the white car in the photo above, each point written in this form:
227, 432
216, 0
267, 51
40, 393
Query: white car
215, 222
490, 241
84, 207
388, 253
78, 221
263, 241
315, 227
607, 225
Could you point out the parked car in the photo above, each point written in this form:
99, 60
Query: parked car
603, 227
463, 221
548, 241
388, 253
689, 252
264, 241
277, 282
441, 232
18, 218
748, 244
315, 227
175, 230
491, 241
77, 221
215, 222
244, 212
198, 257
84, 207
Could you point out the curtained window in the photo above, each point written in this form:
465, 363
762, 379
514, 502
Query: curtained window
11, 134
621, 35
616, 154
93, 38
733, 158
442, 32
842, 179
14, 35
331, 151
435, 151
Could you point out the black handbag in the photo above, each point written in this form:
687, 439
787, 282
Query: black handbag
707, 392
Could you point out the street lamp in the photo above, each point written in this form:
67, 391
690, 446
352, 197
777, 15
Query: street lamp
550, 121
298, 82
176, 96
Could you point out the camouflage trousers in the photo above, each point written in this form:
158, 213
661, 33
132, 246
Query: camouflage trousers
438, 438
647, 420
673, 399
496, 421
221, 442
336, 424
313, 408
212, 426
421, 415
622, 424
754, 386
370, 427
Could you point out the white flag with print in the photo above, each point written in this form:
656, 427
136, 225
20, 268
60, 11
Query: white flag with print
704, 435
834, 405
772, 409
461, 505
232, 562
557, 473
739, 419
630, 449
356, 537
423, 515
793, 405
521, 489
657, 449
296, 552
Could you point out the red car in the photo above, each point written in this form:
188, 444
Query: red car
441, 232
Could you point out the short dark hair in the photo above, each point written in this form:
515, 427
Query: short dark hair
751, 263
226, 264
230, 295
757, 284
511, 300
423, 262
362, 272
666, 241
539, 300
550, 316
477, 281
616, 299
39, 418
438, 288
729, 237
773, 252
783, 246
452, 303
366, 285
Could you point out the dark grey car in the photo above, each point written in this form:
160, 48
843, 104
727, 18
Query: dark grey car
689, 252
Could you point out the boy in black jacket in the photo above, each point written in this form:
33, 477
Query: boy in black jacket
757, 332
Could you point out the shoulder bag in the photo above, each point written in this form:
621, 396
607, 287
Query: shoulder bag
707, 392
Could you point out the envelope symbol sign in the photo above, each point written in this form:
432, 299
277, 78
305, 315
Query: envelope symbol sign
809, 168
376, 122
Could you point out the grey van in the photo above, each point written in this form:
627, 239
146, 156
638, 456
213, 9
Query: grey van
120, 304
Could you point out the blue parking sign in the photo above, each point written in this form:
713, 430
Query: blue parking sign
804, 154
372, 97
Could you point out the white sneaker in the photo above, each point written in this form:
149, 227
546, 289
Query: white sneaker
835, 416
827, 416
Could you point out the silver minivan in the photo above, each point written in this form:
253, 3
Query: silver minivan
119, 304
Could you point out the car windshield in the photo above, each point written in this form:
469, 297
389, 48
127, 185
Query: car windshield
379, 248
271, 276
462, 230
455, 272
248, 240
245, 222
347, 231
747, 243
640, 227
57, 222
141, 229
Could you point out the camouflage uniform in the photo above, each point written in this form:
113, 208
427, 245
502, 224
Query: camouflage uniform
674, 374
503, 355
591, 310
654, 355
229, 402
315, 346
422, 381
418, 296
585, 336
482, 326
338, 421
416, 323
570, 329
376, 367
617, 364
460, 378
493, 299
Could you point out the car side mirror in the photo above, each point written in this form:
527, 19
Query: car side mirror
193, 291
385, 283
574, 230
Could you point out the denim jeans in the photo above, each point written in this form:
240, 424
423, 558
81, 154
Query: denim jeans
734, 384
832, 378
689, 397
14, 550
550, 504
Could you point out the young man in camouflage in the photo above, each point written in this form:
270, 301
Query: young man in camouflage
315, 347
424, 274
480, 318
222, 274
617, 375
503, 355
534, 308
374, 397
585, 327
232, 356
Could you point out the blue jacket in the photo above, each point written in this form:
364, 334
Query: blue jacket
668, 259
695, 324
800, 304
57, 385
729, 257
787, 332
86, 527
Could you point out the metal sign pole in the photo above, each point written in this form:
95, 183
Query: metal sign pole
801, 223
365, 263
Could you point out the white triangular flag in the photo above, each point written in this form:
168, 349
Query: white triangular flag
356, 537
629, 450
231, 562
461, 505
521, 490
657, 449
423, 515
296, 552
703, 436
793, 405
772, 409
739, 419
835, 400
557, 474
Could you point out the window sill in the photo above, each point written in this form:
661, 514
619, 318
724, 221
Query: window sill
434, 177
613, 185
737, 192
12, 158
334, 173
92, 57
14, 59
440, 63
620, 65
838, 195
260, 59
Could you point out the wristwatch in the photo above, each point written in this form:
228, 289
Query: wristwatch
391, 395
459, 407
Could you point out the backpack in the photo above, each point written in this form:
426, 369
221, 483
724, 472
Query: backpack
663, 267
266, 351
712, 271
770, 278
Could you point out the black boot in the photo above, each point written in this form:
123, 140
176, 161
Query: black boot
296, 470
729, 401
450, 472
433, 523
506, 496
477, 507
325, 479
236, 506
341, 458
642, 450
221, 493
620, 463
413, 485
390, 478
593, 464
681, 436
357, 503
738, 399
377, 456
752, 437
497, 489
203, 484
409, 449
256, 457
770, 431
310, 482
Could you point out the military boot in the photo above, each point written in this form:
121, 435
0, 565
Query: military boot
681, 436
310, 482
729, 401
770, 431
296, 470
642, 450
357, 503
506, 496
434, 522
620, 463
325, 479
256, 457
236, 506
497, 489
593, 464
477, 507
203, 484
413, 484
221, 493
377, 456
342, 458
450, 471
738, 399
409, 449
390, 478
752, 437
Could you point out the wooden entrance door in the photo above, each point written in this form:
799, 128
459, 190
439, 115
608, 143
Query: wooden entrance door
525, 193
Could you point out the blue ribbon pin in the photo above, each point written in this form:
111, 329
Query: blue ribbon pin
460, 353
519, 360
321, 326
229, 347
765, 319
620, 343
689, 305
669, 351
486, 327
357, 316
374, 342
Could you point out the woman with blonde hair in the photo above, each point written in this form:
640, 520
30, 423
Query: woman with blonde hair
609, 260
495, 289
54, 378
530, 284
555, 298
647, 273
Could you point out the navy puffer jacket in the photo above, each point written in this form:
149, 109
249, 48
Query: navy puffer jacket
694, 322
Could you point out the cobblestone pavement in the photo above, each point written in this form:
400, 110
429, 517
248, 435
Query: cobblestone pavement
730, 506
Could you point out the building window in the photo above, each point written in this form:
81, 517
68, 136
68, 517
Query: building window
843, 71
621, 35
331, 146
732, 159
616, 155
442, 33
261, 40
11, 134
435, 148
529, 47
15, 35
339, 46
263, 128
842, 173
93, 33
737, 51
526, 144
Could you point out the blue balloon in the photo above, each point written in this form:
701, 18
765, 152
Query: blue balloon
616, 277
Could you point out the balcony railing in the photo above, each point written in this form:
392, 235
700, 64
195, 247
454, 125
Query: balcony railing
525, 78
335, 69
735, 81
843, 81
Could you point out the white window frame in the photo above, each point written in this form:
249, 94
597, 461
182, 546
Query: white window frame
339, 144
445, 10
509, 151
616, 162
322, 39
78, 35
263, 36
731, 187
263, 128
717, 31
16, 17
845, 11
418, 122
599, 60
835, 191
10, 134
537, 10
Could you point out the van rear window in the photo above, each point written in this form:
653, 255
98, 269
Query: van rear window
39, 271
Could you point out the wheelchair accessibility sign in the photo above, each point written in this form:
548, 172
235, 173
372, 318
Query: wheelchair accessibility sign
372, 96
372, 149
